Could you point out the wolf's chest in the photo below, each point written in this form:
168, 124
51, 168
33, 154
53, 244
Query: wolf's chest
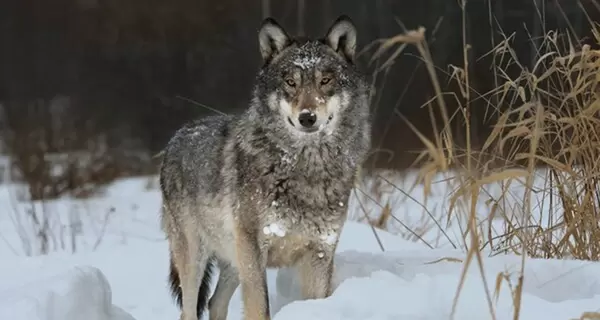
286, 242
277, 228
315, 175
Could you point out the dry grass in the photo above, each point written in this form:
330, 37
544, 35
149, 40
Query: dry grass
547, 117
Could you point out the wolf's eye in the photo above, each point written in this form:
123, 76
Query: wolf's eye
325, 81
290, 82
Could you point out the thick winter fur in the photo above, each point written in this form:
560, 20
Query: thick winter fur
268, 187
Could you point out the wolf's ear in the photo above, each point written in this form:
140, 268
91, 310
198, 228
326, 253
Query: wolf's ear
341, 37
272, 39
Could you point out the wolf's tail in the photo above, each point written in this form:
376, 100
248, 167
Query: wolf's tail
175, 284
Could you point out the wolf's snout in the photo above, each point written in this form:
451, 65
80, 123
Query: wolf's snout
307, 119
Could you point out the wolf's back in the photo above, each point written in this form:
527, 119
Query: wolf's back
193, 158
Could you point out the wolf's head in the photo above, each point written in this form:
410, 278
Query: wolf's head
310, 87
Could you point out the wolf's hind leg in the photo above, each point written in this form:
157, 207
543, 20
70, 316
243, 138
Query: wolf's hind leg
226, 286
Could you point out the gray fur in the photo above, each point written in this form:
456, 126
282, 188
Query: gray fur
231, 184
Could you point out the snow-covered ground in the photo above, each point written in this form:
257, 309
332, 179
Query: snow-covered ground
108, 260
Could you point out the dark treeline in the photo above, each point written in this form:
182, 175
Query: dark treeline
79, 72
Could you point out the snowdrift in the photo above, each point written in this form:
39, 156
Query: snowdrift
76, 293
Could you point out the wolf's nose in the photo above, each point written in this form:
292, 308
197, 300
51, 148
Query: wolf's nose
307, 119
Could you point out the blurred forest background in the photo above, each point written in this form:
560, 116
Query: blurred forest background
100, 85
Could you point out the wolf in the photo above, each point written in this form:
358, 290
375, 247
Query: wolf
268, 187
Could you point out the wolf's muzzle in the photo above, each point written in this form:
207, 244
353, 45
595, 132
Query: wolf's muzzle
307, 119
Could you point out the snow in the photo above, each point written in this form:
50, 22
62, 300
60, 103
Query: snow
307, 62
406, 285
79, 292
426, 212
114, 264
275, 229
329, 238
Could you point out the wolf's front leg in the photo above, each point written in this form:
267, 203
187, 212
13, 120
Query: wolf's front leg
252, 274
316, 273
